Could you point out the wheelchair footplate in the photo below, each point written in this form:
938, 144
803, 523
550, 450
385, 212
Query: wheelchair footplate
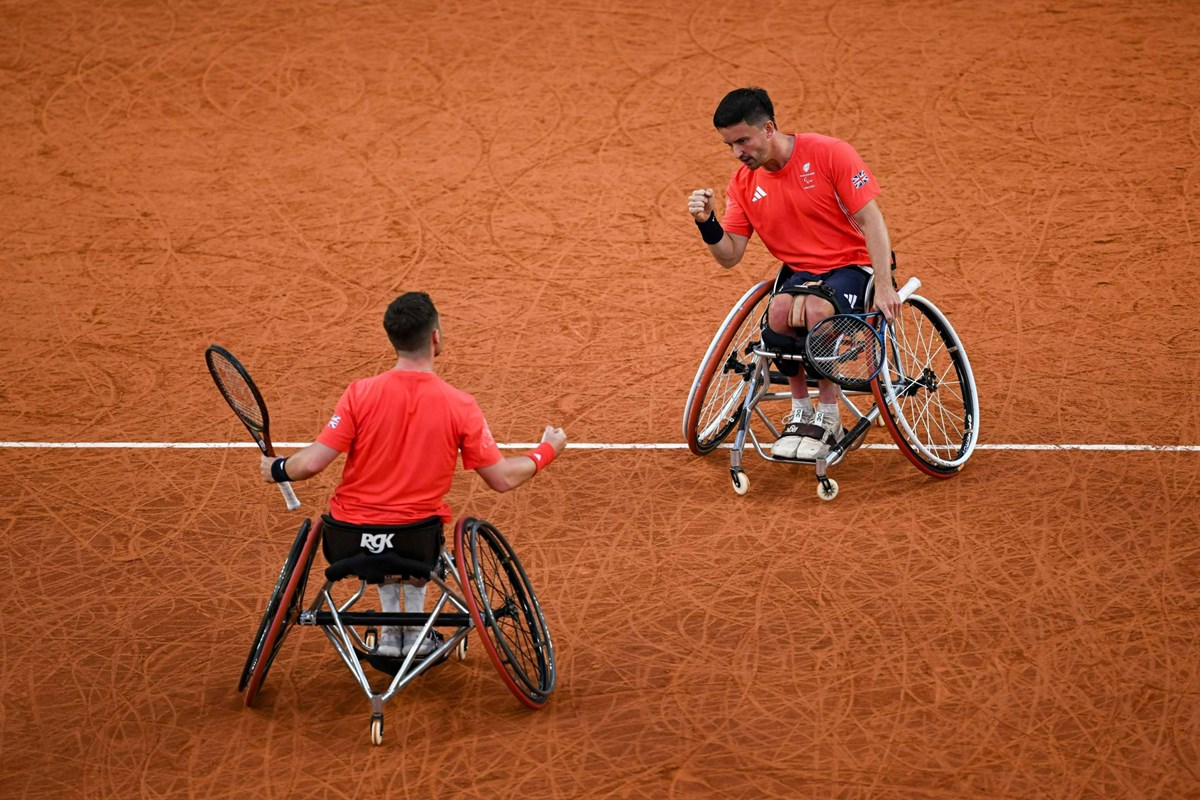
392, 665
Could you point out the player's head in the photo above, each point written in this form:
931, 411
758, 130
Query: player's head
745, 118
411, 323
750, 105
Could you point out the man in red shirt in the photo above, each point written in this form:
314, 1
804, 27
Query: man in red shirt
812, 201
403, 431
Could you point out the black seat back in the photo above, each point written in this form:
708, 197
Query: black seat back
371, 552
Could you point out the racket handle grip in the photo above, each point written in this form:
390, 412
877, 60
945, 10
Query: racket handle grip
289, 496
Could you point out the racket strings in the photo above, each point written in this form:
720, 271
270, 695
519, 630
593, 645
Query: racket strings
235, 388
845, 348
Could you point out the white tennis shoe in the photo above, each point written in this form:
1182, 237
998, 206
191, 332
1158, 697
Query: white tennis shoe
793, 432
396, 642
811, 447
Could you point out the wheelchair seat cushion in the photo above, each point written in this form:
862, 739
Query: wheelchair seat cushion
417, 544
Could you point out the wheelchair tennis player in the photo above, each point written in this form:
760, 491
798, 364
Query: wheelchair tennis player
402, 431
812, 201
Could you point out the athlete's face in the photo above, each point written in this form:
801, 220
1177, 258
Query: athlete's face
750, 144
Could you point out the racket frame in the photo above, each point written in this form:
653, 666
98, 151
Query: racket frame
875, 322
261, 437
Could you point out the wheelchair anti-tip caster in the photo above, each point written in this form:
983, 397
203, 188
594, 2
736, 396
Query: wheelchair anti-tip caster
370, 638
741, 484
377, 729
460, 651
827, 488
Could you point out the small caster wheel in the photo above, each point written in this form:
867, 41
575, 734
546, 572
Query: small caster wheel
377, 730
827, 488
370, 638
460, 652
741, 484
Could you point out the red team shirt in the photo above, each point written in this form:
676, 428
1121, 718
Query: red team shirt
801, 211
403, 432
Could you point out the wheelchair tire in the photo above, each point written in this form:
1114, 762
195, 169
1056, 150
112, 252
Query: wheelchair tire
926, 390
282, 610
505, 610
720, 383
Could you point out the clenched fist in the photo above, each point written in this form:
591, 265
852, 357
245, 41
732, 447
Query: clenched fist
700, 204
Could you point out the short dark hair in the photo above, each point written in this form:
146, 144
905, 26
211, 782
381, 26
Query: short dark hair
409, 320
750, 105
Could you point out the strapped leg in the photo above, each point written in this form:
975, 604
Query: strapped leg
798, 314
806, 432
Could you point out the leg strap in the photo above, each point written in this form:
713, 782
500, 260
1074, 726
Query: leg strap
784, 344
819, 289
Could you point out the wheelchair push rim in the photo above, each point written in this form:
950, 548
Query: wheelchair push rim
719, 388
504, 608
926, 390
282, 610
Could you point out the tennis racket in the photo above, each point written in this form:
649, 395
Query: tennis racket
847, 349
247, 403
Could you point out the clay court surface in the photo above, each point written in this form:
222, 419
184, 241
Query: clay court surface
269, 175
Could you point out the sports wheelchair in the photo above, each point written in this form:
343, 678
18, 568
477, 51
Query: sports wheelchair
924, 392
482, 587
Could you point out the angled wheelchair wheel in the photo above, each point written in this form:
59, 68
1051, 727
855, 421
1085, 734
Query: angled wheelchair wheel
926, 390
282, 610
721, 381
505, 610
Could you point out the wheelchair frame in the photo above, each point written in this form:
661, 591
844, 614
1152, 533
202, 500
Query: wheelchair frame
923, 357
483, 587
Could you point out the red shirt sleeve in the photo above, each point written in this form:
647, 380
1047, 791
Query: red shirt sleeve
476, 442
735, 219
338, 433
852, 181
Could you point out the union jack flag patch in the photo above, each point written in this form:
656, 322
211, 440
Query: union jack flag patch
860, 180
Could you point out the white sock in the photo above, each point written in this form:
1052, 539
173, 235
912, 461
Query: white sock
800, 404
414, 601
830, 410
389, 598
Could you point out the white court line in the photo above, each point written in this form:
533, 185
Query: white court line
1120, 448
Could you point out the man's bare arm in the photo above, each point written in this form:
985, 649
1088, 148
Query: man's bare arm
729, 249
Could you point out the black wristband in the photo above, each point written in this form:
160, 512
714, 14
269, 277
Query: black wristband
711, 230
279, 471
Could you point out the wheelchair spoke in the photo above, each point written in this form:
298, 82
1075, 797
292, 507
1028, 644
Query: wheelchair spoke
928, 388
509, 609
720, 383
517, 621
724, 416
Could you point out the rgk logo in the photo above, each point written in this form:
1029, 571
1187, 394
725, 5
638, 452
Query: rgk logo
376, 542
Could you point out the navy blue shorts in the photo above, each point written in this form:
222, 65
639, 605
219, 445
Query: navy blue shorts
849, 286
